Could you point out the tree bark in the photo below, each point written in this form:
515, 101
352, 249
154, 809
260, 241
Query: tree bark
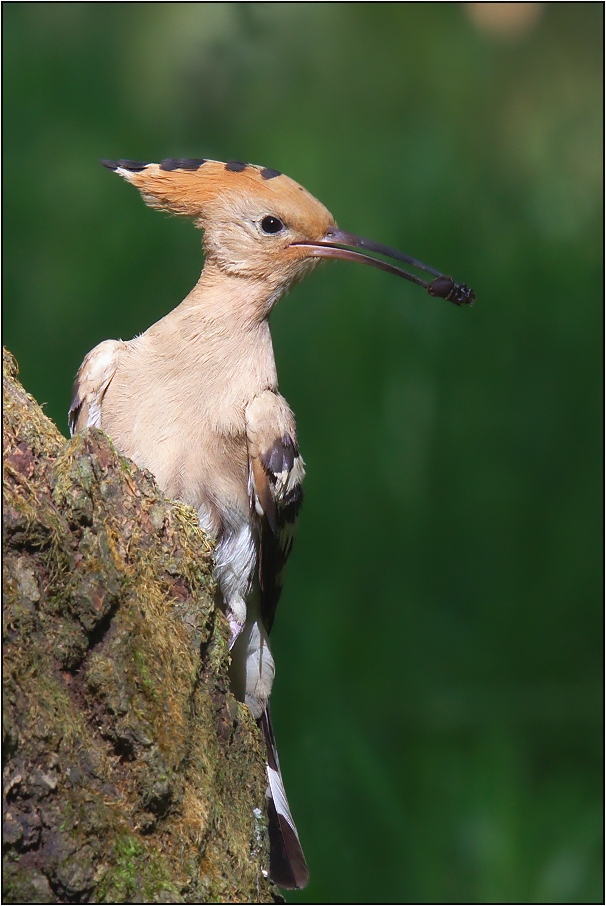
132, 775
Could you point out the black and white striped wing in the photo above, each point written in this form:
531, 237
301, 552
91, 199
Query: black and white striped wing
277, 474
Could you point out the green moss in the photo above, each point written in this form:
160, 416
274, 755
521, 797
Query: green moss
144, 675
22, 884
136, 874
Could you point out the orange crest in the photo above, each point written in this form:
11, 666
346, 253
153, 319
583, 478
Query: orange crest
193, 187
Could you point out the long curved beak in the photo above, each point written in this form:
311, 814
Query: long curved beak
338, 244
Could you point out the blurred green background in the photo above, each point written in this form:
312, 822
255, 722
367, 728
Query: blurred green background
439, 644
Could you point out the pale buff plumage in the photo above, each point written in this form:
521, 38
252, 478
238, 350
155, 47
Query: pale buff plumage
195, 400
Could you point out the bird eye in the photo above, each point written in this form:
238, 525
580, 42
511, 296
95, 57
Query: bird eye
271, 225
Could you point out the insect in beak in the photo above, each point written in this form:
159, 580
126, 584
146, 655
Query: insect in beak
337, 244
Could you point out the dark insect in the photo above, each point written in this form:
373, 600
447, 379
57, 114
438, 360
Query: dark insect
446, 288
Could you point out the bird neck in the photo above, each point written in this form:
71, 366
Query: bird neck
241, 302
221, 329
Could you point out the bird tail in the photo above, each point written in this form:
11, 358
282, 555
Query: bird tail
287, 865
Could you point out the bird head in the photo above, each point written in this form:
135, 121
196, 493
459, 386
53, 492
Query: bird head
259, 224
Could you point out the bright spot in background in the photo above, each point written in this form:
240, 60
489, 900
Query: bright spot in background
508, 21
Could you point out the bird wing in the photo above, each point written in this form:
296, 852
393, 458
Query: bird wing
276, 472
93, 378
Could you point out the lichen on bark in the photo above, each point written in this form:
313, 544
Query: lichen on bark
132, 775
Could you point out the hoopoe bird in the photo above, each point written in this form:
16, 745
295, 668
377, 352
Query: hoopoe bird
195, 400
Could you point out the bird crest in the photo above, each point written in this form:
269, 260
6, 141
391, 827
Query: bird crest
193, 187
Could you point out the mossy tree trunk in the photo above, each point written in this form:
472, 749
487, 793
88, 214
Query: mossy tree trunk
132, 775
